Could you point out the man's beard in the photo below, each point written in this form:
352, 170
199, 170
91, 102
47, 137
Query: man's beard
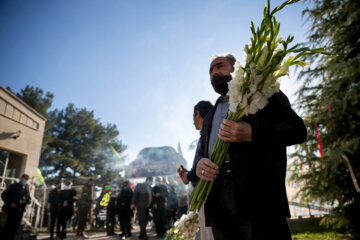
220, 84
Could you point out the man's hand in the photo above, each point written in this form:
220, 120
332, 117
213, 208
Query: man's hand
206, 169
183, 174
65, 204
155, 205
231, 131
13, 205
132, 206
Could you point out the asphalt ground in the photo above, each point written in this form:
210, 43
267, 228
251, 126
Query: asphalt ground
99, 235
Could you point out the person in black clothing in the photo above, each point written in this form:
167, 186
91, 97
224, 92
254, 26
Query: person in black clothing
142, 199
67, 197
110, 214
53, 201
172, 205
201, 109
125, 212
160, 195
255, 165
15, 197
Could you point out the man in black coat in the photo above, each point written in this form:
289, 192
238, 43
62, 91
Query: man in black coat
123, 203
160, 196
67, 197
15, 198
53, 201
248, 199
142, 199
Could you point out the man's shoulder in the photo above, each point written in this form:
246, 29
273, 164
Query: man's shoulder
15, 186
279, 97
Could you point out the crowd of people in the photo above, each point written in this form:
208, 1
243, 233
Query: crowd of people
142, 204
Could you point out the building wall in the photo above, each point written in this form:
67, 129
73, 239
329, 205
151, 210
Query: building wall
19, 119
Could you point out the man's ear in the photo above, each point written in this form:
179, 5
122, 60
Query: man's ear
197, 114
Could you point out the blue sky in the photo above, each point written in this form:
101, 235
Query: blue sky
141, 64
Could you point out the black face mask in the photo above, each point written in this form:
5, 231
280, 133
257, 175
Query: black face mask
220, 84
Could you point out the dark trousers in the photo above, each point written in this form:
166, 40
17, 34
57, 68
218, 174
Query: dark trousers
143, 217
228, 225
172, 216
65, 215
125, 227
83, 213
53, 217
12, 223
110, 222
160, 219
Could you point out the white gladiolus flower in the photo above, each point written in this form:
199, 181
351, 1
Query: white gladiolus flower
253, 108
259, 100
284, 69
238, 72
233, 107
271, 86
264, 53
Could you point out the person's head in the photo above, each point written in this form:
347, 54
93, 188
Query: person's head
24, 179
90, 182
200, 110
149, 180
158, 181
220, 68
58, 184
125, 184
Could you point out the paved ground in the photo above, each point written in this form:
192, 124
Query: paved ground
102, 235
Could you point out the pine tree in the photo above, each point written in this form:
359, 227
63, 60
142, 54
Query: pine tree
76, 145
330, 101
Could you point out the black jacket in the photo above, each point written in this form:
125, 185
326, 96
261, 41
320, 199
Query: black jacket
258, 169
53, 200
15, 193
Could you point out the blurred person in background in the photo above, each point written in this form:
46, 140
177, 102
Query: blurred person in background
142, 199
67, 197
172, 206
201, 109
15, 198
53, 201
111, 213
160, 196
84, 206
124, 209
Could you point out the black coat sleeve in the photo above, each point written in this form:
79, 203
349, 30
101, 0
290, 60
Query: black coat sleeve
278, 123
8, 195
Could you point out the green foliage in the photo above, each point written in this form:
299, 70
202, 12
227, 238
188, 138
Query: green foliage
76, 145
330, 98
311, 225
321, 236
36, 99
81, 146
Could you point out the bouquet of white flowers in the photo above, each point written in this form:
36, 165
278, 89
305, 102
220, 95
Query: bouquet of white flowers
255, 82
185, 228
